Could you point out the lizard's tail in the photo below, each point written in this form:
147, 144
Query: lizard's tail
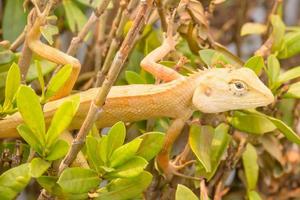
8, 126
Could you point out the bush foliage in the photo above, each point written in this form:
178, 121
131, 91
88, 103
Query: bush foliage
252, 154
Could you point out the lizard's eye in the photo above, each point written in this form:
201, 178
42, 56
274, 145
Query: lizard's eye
238, 87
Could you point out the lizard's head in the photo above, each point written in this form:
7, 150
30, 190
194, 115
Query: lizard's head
224, 89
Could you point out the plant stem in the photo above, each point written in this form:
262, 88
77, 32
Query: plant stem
161, 13
115, 36
97, 104
87, 27
24, 61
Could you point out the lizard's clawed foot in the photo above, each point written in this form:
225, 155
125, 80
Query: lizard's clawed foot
169, 37
172, 170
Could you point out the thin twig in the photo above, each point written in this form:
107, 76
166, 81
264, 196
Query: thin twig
76, 41
161, 13
203, 190
26, 54
18, 42
87, 27
100, 41
114, 44
96, 105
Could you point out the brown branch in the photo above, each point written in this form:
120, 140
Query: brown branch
18, 42
87, 27
100, 43
161, 13
26, 54
203, 190
266, 48
96, 105
116, 40
76, 41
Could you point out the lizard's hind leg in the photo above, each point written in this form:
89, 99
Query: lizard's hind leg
168, 167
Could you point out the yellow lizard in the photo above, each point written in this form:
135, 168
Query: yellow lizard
209, 91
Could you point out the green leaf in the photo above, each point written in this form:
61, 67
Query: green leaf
291, 45
93, 3
61, 120
6, 59
49, 183
134, 78
32, 73
115, 137
102, 148
48, 31
184, 193
151, 145
38, 167
277, 33
153, 39
250, 166
211, 57
93, 152
273, 70
58, 80
219, 146
14, 20
253, 28
13, 181
31, 111
281, 126
285, 130
59, 150
200, 138
30, 137
256, 63
289, 74
75, 18
124, 153
123, 189
75, 196
13, 81
293, 91
129, 169
259, 124
253, 195
78, 180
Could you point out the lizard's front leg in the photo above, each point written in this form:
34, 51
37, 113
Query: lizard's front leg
150, 62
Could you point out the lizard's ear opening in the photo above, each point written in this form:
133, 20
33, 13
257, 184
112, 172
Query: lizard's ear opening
201, 98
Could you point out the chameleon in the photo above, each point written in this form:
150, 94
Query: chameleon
213, 90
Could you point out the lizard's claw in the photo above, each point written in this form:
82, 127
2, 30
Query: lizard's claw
169, 38
173, 168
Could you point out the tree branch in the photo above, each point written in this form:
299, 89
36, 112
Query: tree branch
97, 104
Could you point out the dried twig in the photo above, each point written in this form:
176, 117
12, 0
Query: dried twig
26, 54
161, 13
87, 27
116, 40
96, 105
18, 42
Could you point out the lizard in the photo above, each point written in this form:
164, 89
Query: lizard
210, 91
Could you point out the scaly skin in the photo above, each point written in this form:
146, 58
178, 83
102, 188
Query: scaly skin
124, 103
177, 99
